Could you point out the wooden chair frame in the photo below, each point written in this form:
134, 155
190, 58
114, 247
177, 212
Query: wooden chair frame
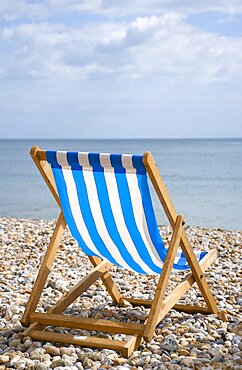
159, 306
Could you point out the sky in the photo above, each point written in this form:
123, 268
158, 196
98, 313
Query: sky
120, 69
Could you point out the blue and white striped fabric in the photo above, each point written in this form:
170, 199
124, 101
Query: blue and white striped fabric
107, 205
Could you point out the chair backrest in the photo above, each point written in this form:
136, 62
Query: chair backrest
107, 205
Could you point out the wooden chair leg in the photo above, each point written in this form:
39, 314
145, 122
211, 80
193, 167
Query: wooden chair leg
179, 291
72, 294
198, 274
45, 269
164, 279
107, 281
80, 287
170, 301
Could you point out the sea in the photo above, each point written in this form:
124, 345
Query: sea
202, 176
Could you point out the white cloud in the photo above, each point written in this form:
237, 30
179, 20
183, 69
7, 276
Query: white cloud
144, 46
140, 63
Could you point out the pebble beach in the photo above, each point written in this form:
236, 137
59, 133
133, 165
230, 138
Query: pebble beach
181, 340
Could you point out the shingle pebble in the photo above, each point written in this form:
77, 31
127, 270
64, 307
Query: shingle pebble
181, 341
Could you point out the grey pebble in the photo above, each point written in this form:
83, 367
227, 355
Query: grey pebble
169, 344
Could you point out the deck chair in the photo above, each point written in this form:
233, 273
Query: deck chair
105, 201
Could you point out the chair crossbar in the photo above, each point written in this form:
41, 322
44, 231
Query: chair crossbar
87, 323
178, 307
83, 341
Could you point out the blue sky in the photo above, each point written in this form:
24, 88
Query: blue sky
109, 69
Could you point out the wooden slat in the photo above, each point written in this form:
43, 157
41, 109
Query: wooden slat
39, 158
183, 287
178, 307
180, 290
41, 154
73, 293
131, 345
32, 327
81, 341
44, 269
198, 275
107, 281
191, 309
152, 320
160, 187
80, 287
87, 323
138, 302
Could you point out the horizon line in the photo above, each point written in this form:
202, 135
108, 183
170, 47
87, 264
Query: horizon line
130, 138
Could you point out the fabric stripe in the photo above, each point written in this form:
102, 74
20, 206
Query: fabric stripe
62, 191
140, 219
95, 208
112, 210
130, 221
111, 225
137, 195
150, 226
86, 212
71, 192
